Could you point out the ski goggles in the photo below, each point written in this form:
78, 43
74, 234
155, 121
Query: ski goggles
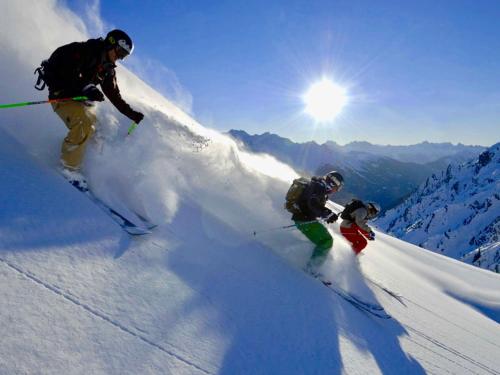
122, 49
121, 53
333, 183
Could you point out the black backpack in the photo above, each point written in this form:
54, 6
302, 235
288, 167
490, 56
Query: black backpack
352, 206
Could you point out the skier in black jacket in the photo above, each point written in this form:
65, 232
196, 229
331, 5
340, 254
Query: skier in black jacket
309, 206
76, 69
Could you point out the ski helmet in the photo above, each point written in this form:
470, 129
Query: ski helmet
334, 180
119, 40
373, 209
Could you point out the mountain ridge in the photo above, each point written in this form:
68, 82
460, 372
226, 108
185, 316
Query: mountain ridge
371, 173
456, 212
439, 149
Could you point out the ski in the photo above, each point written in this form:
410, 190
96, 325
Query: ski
126, 224
370, 308
146, 222
394, 295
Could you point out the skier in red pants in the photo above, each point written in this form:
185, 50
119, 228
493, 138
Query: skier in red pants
354, 225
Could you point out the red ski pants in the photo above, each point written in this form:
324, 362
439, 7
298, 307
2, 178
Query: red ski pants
356, 236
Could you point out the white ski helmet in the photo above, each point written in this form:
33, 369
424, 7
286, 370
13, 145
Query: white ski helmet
373, 209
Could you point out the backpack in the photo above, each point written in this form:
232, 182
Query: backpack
352, 206
294, 193
44, 75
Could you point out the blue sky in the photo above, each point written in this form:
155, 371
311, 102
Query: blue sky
414, 70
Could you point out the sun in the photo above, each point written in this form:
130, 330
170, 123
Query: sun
325, 100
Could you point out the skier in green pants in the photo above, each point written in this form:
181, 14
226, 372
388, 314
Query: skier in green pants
306, 200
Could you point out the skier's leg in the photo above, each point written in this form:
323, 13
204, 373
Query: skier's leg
80, 120
323, 240
356, 239
360, 244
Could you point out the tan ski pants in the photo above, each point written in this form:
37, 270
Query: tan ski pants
80, 120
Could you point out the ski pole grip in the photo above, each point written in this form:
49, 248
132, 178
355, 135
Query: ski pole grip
131, 128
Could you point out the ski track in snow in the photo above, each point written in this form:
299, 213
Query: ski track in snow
401, 299
68, 296
450, 322
428, 339
450, 350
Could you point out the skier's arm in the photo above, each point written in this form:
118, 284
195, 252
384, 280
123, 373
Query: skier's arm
316, 203
359, 217
112, 92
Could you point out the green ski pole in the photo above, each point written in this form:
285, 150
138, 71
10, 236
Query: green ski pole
24, 104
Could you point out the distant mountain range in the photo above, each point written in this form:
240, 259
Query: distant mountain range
385, 174
456, 213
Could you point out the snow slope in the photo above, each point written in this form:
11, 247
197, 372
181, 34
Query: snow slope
80, 296
202, 294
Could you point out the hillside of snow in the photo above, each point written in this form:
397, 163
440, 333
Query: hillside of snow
456, 214
201, 296
218, 287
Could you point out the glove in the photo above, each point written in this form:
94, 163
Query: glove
332, 218
136, 117
93, 93
371, 236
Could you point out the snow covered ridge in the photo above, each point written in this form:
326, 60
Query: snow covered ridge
456, 214
421, 153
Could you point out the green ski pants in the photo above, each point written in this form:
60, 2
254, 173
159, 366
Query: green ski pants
318, 235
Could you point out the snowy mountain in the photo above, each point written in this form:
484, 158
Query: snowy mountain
385, 174
456, 213
218, 287
421, 153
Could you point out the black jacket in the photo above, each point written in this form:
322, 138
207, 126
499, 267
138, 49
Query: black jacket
312, 201
73, 66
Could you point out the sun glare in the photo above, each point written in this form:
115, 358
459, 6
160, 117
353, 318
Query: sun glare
325, 100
